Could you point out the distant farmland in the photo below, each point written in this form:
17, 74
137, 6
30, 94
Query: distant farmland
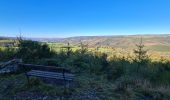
157, 43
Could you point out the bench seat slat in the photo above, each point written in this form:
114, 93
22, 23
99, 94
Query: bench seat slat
46, 76
52, 73
52, 77
49, 75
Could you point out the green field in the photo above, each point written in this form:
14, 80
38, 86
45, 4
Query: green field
109, 45
159, 48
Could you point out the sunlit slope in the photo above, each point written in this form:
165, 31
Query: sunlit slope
152, 42
159, 43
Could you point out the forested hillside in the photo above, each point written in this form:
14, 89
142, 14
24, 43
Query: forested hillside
150, 41
160, 43
153, 42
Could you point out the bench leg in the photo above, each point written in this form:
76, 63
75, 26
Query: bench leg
65, 87
28, 80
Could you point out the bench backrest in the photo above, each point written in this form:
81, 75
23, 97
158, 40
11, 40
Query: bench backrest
45, 68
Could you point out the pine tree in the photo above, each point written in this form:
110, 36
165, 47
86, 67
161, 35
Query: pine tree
141, 56
84, 48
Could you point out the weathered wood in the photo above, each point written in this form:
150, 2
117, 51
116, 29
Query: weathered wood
54, 75
52, 72
44, 68
11, 62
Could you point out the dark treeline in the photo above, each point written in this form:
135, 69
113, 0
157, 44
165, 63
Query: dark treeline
118, 70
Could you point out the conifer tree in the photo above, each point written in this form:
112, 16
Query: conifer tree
141, 56
83, 48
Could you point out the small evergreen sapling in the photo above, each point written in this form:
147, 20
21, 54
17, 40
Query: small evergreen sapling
141, 56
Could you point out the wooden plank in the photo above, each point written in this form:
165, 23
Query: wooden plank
45, 68
55, 77
44, 74
56, 73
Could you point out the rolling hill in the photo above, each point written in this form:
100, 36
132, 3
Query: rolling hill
153, 42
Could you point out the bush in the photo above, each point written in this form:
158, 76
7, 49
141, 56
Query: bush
7, 53
30, 51
162, 78
115, 70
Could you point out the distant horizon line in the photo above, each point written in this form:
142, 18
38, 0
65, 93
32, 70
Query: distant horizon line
86, 36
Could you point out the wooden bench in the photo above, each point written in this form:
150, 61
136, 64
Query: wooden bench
51, 72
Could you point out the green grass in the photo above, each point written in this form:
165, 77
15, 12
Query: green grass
159, 48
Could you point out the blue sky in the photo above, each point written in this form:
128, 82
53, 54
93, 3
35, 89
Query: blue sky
66, 18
